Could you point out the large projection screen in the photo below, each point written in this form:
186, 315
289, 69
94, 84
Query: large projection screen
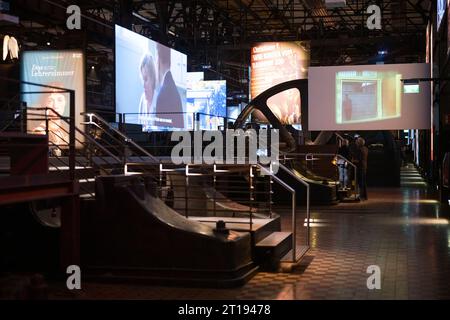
369, 97
150, 82
61, 69
274, 63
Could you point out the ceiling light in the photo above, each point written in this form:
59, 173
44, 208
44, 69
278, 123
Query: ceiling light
137, 15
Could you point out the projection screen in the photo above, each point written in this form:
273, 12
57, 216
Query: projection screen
150, 82
369, 97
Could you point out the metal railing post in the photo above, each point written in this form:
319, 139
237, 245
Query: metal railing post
270, 196
308, 216
46, 122
186, 212
121, 125
214, 194
160, 194
294, 228
251, 195
197, 121
72, 135
23, 116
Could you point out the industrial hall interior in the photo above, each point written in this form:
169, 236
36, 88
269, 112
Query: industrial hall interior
224, 150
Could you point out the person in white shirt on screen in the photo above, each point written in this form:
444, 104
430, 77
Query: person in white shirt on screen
148, 99
168, 102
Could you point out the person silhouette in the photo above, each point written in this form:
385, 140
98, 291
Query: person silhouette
347, 108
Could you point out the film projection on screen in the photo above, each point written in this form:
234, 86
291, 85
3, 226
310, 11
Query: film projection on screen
151, 82
208, 101
371, 97
61, 69
274, 63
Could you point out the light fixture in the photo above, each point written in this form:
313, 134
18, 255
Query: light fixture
11, 47
48, 43
137, 15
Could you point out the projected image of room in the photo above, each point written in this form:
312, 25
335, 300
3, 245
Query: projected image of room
363, 96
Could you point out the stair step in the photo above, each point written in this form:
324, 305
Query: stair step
300, 252
274, 239
270, 250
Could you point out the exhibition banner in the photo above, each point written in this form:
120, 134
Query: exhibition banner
60, 69
276, 62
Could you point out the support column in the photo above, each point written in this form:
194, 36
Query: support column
70, 232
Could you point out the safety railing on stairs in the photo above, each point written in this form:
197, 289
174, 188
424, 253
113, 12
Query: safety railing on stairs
216, 190
88, 155
82, 159
295, 256
121, 140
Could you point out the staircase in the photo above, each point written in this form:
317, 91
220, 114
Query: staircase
410, 177
103, 150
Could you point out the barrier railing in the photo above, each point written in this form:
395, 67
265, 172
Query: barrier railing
311, 157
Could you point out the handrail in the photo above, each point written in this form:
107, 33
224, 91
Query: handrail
126, 139
340, 138
308, 194
355, 168
294, 203
86, 136
58, 116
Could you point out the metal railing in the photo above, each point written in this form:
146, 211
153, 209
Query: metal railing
308, 197
340, 139
311, 157
119, 137
293, 208
230, 191
89, 155
70, 120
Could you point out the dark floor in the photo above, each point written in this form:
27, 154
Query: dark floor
399, 229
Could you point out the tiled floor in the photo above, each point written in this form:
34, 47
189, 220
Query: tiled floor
399, 229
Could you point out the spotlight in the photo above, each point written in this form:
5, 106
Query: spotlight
93, 68
48, 43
